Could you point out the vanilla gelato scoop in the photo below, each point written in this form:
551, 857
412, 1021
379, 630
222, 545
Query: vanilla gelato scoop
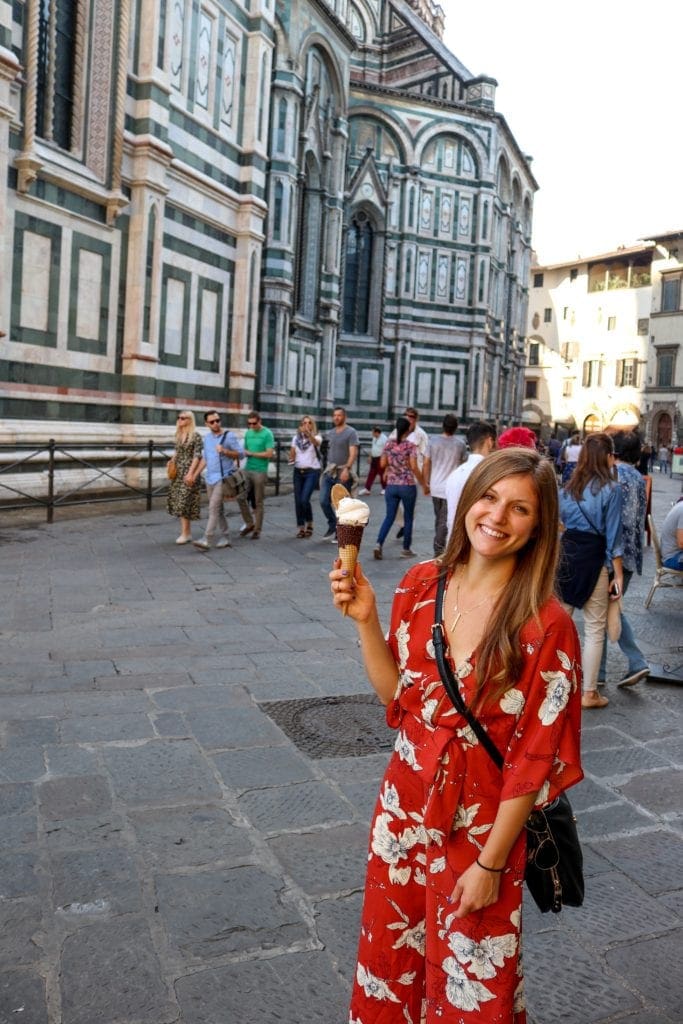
352, 512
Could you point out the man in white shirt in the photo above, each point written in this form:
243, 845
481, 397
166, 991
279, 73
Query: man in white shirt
481, 437
445, 453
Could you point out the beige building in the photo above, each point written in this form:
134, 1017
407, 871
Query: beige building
588, 342
664, 385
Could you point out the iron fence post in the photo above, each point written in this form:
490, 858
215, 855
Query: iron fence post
51, 480
277, 467
150, 456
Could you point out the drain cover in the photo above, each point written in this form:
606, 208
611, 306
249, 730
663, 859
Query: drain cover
333, 726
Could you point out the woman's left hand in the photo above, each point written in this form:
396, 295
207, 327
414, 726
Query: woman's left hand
475, 889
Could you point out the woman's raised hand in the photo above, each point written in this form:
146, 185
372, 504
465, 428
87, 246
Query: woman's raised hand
355, 592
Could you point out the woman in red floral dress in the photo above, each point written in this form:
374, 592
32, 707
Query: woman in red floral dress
441, 928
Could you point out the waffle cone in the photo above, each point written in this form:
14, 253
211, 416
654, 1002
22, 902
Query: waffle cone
349, 556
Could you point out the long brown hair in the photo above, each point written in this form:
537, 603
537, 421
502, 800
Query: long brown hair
499, 658
592, 466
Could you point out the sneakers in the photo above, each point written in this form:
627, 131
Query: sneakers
363, 490
381, 492
407, 553
330, 533
183, 540
202, 544
224, 543
246, 529
377, 553
634, 677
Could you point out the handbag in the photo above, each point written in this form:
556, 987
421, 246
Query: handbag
581, 560
171, 469
554, 861
235, 484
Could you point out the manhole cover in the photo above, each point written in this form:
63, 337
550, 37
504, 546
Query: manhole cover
333, 726
667, 666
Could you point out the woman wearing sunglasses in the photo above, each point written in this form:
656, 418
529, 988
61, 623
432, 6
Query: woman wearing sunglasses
183, 491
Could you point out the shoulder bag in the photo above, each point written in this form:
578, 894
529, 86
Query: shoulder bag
235, 484
582, 557
554, 864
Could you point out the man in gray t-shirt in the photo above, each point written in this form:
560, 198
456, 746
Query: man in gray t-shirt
342, 452
444, 454
672, 537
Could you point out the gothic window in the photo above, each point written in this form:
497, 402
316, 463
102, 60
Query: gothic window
358, 275
278, 201
263, 92
309, 242
280, 143
57, 51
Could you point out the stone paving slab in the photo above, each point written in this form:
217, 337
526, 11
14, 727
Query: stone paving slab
168, 855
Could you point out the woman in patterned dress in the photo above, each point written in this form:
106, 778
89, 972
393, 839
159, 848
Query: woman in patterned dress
441, 926
183, 492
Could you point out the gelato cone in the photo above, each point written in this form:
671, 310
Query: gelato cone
352, 518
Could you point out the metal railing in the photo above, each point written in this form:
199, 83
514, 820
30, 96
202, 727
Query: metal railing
37, 476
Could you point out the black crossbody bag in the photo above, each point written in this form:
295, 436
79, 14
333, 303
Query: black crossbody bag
554, 866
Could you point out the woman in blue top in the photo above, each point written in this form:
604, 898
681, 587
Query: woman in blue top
590, 505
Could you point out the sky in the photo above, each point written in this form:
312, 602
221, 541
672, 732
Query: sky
590, 90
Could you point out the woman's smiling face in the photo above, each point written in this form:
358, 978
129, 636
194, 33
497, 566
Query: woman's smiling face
505, 517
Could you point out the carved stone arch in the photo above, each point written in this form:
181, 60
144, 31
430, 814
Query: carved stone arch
433, 132
316, 41
503, 179
392, 125
369, 23
283, 53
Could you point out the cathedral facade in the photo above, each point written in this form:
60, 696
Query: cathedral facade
287, 204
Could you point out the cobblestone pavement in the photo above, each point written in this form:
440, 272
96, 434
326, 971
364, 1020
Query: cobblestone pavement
168, 853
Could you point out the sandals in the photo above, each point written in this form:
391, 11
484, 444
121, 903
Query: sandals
308, 532
593, 699
301, 533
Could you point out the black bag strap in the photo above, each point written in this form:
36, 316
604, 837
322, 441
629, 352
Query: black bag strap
588, 518
449, 681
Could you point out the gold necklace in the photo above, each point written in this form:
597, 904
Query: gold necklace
461, 614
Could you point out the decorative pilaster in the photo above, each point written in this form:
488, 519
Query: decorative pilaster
117, 201
28, 162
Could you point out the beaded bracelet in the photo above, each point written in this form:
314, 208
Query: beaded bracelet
496, 871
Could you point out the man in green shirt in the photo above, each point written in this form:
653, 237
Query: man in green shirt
259, 445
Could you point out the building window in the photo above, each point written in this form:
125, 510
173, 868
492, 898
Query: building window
573, 274
531, 389
643, 324
592, 374
627, 373
611, 323
281, 126
547, 315
534, 353
358, 275
57, 52
538, 280
569, 351
568, 387
278, 202
666, 361
565, 313
671, 294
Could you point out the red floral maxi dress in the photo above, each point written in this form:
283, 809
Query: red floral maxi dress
417, 963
